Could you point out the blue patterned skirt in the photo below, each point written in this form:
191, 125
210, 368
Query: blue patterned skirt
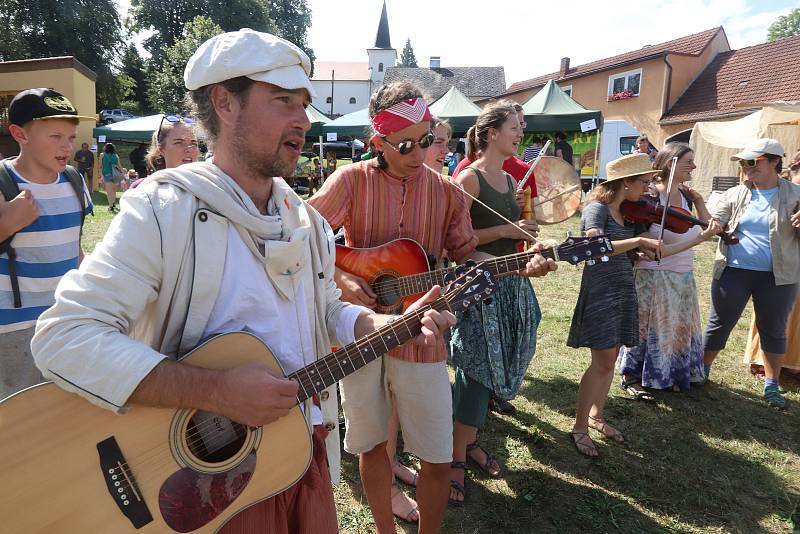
494, 343
670, 351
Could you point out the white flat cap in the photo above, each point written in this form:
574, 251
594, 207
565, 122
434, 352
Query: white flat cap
260, 56
758, 148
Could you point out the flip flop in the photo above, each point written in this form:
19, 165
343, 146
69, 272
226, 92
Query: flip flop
578, 440
600, 426
406, 469
403, 506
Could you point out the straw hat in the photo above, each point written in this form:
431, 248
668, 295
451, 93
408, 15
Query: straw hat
628, 167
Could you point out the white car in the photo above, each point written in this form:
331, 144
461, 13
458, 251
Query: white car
107, 116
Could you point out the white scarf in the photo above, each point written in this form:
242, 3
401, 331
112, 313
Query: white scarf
279, 241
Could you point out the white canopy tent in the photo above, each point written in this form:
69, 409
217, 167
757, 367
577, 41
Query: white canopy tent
715, 142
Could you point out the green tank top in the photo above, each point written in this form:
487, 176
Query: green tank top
503, 203
109, 162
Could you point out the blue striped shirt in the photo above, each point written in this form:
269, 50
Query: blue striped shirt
46, 249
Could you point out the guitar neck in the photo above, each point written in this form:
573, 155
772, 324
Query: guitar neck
499, 266
326, 371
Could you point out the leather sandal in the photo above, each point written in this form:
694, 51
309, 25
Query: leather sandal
486, 467
458, 486
403, 506
600, 425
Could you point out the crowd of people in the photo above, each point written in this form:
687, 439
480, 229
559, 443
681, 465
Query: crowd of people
201, 248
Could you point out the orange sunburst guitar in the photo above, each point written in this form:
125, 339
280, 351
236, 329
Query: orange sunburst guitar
71, 467
398, 271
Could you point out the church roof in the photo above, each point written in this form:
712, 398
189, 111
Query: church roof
382, 39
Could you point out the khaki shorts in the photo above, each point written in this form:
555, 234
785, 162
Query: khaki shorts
424, 406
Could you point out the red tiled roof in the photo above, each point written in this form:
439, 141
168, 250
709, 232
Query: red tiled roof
343, 70
691, 45
761, 73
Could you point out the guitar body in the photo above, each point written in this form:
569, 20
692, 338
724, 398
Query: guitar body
401, 257
70, 466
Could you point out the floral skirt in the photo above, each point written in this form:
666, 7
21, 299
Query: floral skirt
494, 343
670, 351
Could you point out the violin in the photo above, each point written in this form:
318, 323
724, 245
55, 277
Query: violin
678, 220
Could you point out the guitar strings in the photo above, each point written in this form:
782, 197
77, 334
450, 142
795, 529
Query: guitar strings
166, 456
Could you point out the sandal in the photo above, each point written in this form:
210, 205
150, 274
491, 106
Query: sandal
403, 506
401, 470
600, 425
490, 462
585, 449
458, 486
637, 393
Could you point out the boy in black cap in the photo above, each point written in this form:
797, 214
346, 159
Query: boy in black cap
41, 213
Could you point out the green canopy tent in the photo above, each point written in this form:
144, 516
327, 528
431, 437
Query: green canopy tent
137, 130
459, 111
552, 110
318, 120
353, 124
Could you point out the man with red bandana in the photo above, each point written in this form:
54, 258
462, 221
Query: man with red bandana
391, 196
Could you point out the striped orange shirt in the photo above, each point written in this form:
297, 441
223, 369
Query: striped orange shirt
375, 207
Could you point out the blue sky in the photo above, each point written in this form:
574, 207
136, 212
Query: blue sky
529, 38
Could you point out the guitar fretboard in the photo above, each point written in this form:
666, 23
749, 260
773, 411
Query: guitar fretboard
328, 370
422, 282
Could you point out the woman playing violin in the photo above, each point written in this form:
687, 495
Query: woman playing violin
669, 352
606, 314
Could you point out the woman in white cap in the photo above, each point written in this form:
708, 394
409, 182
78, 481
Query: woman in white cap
606, 313
764, 213
753, 355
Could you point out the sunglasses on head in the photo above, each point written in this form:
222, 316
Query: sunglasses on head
173, 119
405, 147
751, 162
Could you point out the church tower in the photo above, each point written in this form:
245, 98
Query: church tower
382, 55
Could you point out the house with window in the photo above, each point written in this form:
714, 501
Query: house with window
345, 86
65, 74
640, 86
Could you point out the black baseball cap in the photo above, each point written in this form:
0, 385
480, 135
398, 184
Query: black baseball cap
39, 104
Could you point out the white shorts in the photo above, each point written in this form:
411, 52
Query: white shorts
424, 406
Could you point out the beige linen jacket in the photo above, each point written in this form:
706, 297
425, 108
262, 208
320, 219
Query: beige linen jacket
784, 239
148, 289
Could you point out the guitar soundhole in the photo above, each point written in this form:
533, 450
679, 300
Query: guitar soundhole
387, 289
213, 438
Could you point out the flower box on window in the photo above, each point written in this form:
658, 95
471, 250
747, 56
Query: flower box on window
622, 95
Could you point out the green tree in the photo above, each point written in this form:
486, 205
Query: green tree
167, 18
166, 89
292, 19
90, 30
785, 26
407, 58
134, 68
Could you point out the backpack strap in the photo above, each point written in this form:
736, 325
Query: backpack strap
10, 190
76, 181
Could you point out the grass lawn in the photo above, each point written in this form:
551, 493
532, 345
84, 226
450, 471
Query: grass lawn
714, 459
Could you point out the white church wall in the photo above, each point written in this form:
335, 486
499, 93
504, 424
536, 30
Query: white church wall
343, 94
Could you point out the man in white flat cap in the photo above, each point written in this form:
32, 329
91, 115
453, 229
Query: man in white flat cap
214, 247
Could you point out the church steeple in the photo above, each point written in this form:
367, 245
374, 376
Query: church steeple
382, 39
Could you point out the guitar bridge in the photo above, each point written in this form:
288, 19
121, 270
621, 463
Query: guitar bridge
121, 483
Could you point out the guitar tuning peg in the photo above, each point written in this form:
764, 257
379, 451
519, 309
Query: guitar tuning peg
470, 264
604, 259
449, 278
590, 262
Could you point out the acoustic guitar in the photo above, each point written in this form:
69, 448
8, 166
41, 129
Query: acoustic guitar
398, 271
71, 467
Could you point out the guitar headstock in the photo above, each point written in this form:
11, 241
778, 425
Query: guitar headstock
473, 286
577, 249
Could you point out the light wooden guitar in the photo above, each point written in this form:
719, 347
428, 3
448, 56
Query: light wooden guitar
71, 467
398, 270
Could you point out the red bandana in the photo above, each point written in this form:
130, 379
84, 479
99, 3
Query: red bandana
401, 115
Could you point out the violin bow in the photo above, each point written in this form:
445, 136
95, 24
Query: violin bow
666, 206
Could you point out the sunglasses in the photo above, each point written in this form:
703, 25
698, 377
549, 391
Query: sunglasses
405, 147
173, 119
751, 162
